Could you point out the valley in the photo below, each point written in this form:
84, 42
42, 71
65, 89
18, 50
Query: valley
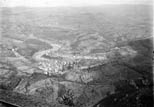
76, 56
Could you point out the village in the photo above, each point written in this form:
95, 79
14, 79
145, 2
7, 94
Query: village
56, 66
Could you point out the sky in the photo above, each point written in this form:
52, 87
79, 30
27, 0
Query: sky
55, 3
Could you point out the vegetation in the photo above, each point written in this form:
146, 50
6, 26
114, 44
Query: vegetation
83, 31
138, 91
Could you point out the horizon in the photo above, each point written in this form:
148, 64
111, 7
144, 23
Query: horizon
70, 3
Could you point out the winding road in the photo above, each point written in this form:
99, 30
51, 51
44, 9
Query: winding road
55, 47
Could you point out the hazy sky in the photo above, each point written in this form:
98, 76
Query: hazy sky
52, 3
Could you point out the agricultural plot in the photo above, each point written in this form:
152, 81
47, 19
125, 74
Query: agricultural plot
76, 57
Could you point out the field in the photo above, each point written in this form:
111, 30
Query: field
76, 56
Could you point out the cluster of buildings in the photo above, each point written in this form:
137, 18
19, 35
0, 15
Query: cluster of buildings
61, 65
55, 66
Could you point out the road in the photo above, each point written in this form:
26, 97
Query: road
38, 55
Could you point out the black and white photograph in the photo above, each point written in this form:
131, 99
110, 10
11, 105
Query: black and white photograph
76, 53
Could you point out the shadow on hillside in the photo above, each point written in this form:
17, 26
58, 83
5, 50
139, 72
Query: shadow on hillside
136, 92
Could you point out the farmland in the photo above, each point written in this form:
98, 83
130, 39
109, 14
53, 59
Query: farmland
76, 56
